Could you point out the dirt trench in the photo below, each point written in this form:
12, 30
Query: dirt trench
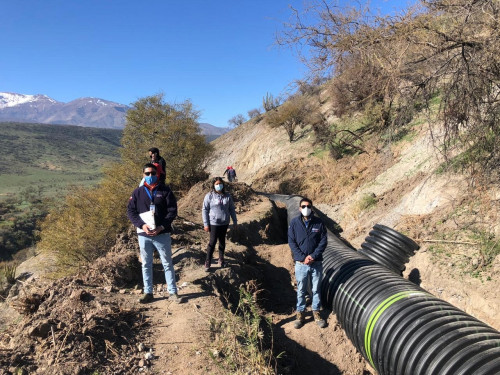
262, 263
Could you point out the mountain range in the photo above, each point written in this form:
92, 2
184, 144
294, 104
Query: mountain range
90, 112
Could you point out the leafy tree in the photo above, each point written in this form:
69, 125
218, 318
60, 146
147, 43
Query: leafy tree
236, 120
290, 115
173, 128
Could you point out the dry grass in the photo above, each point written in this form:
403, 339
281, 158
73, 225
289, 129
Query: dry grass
238, 345
331, 180
462, 233
8, 270
366, 202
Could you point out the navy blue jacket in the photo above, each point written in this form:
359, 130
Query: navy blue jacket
165, 207
311, 241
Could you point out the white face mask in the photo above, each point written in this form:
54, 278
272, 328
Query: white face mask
306, 211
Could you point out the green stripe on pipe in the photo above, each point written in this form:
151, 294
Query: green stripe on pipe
378, 312
351, 298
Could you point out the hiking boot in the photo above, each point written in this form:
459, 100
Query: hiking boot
299, 320
207, 266
146, 298
222, 264
318, 319
175, 298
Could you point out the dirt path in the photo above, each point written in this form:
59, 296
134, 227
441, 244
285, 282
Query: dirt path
180, 333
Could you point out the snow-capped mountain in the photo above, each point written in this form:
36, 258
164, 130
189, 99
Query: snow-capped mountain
93, 112
39, 108
8, 99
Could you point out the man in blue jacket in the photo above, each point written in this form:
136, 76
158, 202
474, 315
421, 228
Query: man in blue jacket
307, 240
152, 208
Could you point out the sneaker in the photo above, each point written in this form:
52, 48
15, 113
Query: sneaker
175, 298
299, 320
207, 266
146, 298
222, 264
318, 319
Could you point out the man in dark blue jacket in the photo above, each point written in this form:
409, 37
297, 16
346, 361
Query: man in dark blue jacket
307, 240
152, 208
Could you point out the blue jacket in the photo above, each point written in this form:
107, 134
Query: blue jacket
165, 207
218, 209
307, 241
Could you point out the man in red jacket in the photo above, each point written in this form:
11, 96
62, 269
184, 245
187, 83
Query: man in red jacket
159, 162
152, 208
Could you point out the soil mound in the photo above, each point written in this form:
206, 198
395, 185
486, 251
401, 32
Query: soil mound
75, 325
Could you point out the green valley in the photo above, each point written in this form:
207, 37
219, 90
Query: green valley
51, 157
39, 165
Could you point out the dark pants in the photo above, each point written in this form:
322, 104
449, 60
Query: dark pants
217, 232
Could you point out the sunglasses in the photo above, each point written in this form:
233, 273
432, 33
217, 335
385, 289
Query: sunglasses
305, 205
153, 173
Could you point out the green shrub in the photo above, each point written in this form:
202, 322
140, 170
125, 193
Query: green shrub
367, 201
9, 272
85, 228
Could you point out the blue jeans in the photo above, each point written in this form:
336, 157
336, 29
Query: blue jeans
305, 274
162, 243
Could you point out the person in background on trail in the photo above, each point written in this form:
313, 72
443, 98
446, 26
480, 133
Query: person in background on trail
152, 208
307, 240
161, 165
231, 173
158, 162
218, 208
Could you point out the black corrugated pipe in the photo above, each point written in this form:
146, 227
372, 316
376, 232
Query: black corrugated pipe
389, 248
397, 326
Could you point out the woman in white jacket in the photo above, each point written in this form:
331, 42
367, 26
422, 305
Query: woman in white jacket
218, 209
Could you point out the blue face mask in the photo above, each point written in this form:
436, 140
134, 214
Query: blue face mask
150, 180
219, 187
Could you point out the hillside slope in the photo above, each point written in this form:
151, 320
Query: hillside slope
253, 147
453, 218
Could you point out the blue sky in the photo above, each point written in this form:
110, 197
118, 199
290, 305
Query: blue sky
217, 53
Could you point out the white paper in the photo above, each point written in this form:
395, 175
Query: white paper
149, 218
